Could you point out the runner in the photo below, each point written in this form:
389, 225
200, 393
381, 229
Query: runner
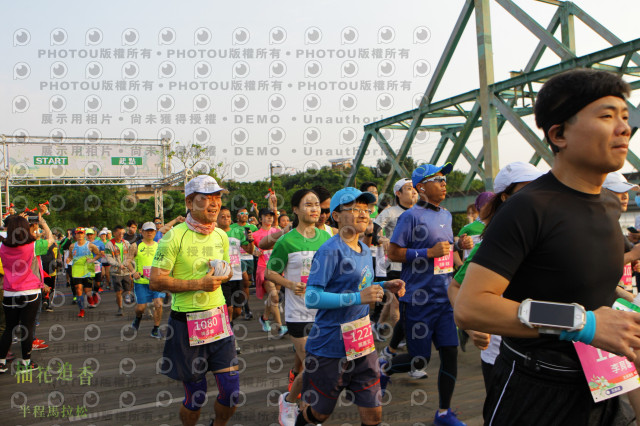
131, 236
119, 257
82, 257
102, 245
246, 259
233, 290
182, 266
325, 201
340, 348
283, 221
264, 286
509, 180
291, 257
96, 274
536, 247
143, 254
423, 242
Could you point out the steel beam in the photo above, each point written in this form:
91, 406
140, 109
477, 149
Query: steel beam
357, 162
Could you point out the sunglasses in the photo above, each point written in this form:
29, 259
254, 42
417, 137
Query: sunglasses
325, 211
437, 179
243, 214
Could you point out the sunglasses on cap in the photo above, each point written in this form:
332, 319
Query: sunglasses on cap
436, 179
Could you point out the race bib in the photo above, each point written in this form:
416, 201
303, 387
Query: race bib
357, 338
208, 326
234, 259
266, 254
305, 270
444, 264
97, 268
146, 272
626, 280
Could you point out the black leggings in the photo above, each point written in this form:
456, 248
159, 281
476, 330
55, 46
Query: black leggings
20, 310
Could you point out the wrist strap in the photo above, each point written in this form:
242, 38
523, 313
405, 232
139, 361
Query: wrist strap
586, 334
412, 254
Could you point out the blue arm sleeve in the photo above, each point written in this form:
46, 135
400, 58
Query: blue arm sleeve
316, 298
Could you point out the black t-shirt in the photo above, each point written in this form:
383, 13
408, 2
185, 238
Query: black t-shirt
131, 238
556, 244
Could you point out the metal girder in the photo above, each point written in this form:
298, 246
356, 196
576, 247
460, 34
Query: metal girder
391, 156
525, 131
466, 183
552, 43
357, 162
439, 148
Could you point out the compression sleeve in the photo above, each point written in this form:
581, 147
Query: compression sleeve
316, 298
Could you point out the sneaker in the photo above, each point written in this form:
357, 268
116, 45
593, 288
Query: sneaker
119, 313
282, 331
248, 315
266, 326
81, 314
448, 419
463, 337
48, 309
155, 333
238, 350
402, 344
136, 323
386, 354
24, 367
38, 345
75, 299
10, 356
418, 374
292, 377
376, 333
384, 379
3, 367
287, 411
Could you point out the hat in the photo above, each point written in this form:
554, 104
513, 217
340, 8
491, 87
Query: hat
399, 184
515, 172
349, 195
90, 231
616, 182
79, 230
103, 232
426, 170
483, 199
148, 226
203, 184
265, 211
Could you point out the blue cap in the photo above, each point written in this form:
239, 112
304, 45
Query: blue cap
426, 170
349, 195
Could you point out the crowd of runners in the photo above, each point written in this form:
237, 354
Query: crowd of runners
338, 273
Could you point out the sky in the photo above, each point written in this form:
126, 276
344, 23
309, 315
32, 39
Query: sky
286, 84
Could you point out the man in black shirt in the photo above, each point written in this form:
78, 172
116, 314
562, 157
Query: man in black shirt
557, 240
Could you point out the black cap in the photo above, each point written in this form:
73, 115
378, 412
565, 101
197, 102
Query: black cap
265, 211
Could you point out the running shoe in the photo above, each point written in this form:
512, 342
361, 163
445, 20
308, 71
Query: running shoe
38, 345
282, 331
136, 323
287, 411
155, 333
384, 379
266, 326
447, 419
292, 377
81, 314
48, 308
75, 299
3, 367
238, 350
119, 313
418, 374
26, 367
386, 354
10, 356
248, 315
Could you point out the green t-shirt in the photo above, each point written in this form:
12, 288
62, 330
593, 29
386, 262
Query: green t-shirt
187, 254
41, 247
292, 256
237, 238
474, 228
459, 276
144, 260
243, 254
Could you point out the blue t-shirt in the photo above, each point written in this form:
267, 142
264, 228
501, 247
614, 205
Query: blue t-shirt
158, 236
101, 247
338, 269
418, 228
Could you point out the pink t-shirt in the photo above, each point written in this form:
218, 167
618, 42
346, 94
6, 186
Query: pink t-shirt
265, 254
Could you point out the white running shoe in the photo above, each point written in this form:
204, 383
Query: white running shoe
418, 374
287, 411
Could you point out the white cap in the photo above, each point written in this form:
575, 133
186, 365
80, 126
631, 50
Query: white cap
515, 172
147, 226
399, 184
103, 232
616, 182
203, 184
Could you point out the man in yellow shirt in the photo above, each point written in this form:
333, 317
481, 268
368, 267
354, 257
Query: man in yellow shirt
192, 262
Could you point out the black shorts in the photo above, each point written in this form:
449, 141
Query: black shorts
533, 395
86, 282
325, 378
299, 329
120, 282
191, 363
234, 294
